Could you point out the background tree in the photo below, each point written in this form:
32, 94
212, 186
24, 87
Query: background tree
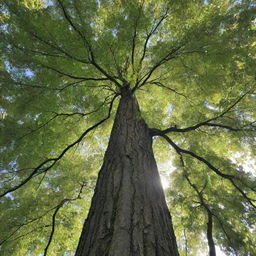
191, 66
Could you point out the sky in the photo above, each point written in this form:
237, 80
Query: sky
219, 252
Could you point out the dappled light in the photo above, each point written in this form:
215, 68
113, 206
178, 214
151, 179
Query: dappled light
127, 128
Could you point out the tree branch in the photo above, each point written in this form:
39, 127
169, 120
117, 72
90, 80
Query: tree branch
53, 161
211, 245
204, 123
87, 46
153, 30
169, 88
166, 58
118, 69
54, 217
111, 78
31, 231
210, 212
73, 76
62, 114
135, 35
231, 244
41, 216
229, 177
59, 49
67, 17
24, 224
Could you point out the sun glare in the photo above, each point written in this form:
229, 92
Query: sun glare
165, 182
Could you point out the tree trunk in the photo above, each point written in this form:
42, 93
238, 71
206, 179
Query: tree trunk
211, 245
128, 214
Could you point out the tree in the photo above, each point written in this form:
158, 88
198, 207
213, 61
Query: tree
179, 72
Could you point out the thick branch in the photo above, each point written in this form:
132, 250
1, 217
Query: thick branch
111, 78
205, 123
166, 58
87, 45
53, 229
53, 161
210, 214
201, 159
67, 17
231, 178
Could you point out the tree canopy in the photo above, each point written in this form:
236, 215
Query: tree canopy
192, 67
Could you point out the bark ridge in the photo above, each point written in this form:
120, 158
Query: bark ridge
128, 214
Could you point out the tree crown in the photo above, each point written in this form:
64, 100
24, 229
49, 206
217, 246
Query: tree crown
65, 64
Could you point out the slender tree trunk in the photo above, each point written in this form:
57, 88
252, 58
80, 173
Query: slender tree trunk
128, 214
211, 244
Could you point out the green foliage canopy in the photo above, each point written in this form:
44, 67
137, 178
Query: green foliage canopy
192, 67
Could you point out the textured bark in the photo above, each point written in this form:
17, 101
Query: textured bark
128, 215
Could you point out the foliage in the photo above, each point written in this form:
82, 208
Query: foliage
192, 67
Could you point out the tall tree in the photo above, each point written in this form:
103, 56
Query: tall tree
180, 74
